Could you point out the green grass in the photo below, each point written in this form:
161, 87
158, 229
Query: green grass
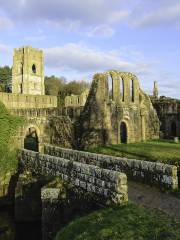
8, 127
130, 222
157, 150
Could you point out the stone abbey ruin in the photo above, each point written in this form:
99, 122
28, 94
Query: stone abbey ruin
114, 110
52, 139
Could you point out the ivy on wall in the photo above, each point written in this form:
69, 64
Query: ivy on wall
8, 127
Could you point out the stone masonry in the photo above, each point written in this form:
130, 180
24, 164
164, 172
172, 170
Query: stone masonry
117, 111
110, 185
28, 71
152, 173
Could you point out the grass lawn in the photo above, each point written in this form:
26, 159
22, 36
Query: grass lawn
130, 222
156, 150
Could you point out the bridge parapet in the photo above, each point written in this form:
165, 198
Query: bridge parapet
109, 185
151, 173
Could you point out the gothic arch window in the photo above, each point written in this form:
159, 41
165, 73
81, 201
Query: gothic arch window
110, 86
122, 88
132, 90
34, 68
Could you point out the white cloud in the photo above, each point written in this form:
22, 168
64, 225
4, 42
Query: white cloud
156, 13
5, 49
117, 16
80, 58
69, 14
5, 23
101, 31
35, 38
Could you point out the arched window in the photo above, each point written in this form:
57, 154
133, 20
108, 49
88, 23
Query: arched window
122, 88
110, 86
34, 68
132, 90
123, 132
31, 140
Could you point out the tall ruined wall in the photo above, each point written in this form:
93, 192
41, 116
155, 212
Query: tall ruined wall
115, 99
168, 111
18, 101
62, 131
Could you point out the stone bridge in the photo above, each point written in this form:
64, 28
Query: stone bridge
109, 185
162, 176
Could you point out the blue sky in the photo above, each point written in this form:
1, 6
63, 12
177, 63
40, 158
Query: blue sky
82, 37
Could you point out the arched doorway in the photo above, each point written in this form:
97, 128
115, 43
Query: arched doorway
123, 132
31, 140
173, 129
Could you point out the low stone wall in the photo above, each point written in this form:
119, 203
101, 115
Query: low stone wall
108, 184
152, 173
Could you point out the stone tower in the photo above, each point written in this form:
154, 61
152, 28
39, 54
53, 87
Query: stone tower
28, 71
155, 90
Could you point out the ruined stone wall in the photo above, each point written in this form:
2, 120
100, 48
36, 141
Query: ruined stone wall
168, 111
76, 100
152, 173
50, 126
61, 130
110, 185
24, 101
115, 99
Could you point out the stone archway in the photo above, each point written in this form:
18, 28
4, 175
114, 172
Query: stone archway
123, 132
173, 129
31, 140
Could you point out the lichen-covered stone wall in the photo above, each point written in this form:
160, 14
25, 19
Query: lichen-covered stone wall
61, 130
152, 173
117, 111
24, 101
52, 126
168, 111
110, 185
76, 100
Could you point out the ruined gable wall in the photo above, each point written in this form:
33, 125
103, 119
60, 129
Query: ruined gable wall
168, 111
108, 106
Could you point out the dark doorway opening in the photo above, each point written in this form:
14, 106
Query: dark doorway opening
123, 132
173, 129
31, 140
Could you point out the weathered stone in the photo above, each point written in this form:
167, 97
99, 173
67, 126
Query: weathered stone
123, 113
88, 177
152, 173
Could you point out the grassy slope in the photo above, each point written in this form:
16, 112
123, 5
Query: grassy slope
129, 222
8, 127
159, 150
